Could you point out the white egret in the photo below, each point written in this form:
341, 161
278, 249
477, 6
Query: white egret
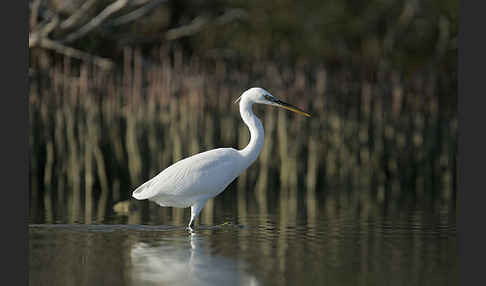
191, 182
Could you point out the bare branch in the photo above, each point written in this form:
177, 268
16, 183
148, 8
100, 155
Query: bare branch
43, 31
74, 53
34, 13
195, 26
136, 14
74, 19
231, 15
49, 27
200, 23
40, 37
406, 17
96, 21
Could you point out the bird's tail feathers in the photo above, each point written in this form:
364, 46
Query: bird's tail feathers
140, 192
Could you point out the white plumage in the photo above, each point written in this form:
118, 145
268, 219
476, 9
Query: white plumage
192, 181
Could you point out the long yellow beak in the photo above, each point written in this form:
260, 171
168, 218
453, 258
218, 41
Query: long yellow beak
291, 107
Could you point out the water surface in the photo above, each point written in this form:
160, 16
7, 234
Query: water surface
415, 246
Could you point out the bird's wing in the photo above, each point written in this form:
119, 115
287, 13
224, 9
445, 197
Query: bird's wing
199, 174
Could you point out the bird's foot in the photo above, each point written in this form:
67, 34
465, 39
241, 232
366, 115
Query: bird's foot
190, 227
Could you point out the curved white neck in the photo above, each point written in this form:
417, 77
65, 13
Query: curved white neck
251, 151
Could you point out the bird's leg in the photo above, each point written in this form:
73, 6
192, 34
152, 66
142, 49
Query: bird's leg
195, 210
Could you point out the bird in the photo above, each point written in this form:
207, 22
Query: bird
192, 181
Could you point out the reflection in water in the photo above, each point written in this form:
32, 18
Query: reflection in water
340, 243
184, 261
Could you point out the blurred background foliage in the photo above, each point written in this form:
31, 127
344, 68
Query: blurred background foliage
407, 35
121, 89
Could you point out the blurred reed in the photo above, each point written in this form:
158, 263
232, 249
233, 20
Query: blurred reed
95, 136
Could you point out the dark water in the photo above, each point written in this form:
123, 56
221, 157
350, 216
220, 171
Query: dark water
415, 245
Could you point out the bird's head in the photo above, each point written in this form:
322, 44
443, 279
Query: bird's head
261, 96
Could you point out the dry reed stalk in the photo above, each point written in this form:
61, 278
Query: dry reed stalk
243, 139
241, 203
311, 176
187, 111
48, 206
185, 126
265, 161
163, 213
152, 137
136, 83
174, 133
127, 71
283, 151
33, 165
209, 133
134, 163
194, 147
134, 160
178, 216
313, 158
295, 127
207, 214
115, 190
282, 225
103, 178
90, 143
73, 167
61, 152
88, 177
165, 158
